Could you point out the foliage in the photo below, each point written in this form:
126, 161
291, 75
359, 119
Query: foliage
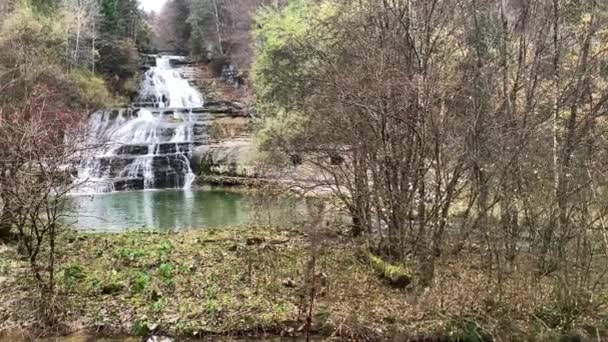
37, 141
121, 19
109, 10
50, 52
72, 275
30, 50
279, 70
140, 283
34, 50
173, 26
492, 107
125, 30
214, 29
119, 62
118, 59
130, 255
90, 90
200, 17
278, 128
44, 6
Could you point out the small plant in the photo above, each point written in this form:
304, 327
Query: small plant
94, 284
143, 327
213, 308
165, 272
469, 329
159, 304
73, 274
280, 309
165, 248
99, 253
130, 254
111, 284
212, 293
139, 283
323, 313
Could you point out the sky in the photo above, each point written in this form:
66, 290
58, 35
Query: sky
152, 5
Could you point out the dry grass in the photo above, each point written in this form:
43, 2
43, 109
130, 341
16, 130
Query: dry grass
237, 281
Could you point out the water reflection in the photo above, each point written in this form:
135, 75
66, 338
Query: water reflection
178, 210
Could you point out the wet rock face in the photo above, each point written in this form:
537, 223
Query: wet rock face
154, 148
117, 167
229, 158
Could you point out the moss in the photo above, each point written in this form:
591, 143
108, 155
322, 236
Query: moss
397, 276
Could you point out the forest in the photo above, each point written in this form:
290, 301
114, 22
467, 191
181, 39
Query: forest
443, 163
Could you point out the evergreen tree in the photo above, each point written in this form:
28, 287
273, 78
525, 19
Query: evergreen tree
45, 6
109, 12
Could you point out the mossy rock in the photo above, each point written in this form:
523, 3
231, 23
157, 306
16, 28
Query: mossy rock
395, 275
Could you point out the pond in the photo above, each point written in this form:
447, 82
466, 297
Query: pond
173, 210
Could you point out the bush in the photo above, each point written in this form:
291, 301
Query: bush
32, 51
30, 47
91, 90
118, 58
119, 62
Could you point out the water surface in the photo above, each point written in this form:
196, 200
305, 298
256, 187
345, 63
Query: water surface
181, 209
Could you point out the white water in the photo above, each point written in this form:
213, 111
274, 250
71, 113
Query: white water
167, 89
130, 146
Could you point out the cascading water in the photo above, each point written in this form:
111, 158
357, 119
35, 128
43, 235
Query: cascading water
163, 87
148, 146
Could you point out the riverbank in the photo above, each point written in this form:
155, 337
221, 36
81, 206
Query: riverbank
252, 282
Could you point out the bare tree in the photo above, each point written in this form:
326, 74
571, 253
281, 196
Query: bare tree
457, 122
39, 143
81, 18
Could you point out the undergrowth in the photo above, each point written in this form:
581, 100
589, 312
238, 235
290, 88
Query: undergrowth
249, 281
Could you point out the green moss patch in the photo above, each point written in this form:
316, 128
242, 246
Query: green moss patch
395, 275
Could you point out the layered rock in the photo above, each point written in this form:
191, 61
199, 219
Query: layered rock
150, 148
232, 157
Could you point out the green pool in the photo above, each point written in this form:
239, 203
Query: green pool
167, 210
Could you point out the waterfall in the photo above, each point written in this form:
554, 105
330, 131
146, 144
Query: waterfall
149, 145
163, 87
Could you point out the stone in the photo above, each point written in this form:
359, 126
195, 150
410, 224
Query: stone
289, 283
159, 339
255, 241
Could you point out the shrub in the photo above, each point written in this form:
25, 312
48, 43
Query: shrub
91, 90
30, 48
119, 62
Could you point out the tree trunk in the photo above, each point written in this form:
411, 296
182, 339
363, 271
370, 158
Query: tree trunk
217, 27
